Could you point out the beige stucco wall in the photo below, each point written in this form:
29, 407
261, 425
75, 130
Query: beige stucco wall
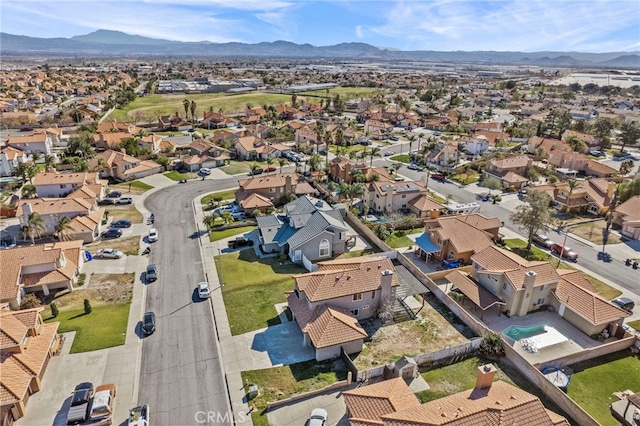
332, 352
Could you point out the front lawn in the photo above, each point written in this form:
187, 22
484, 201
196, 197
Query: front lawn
402, 158
634, 324
251, 288
129, 246
594, 382
237, 167
104, 327
219, 235
177, 176
135, 187
128, 212
229, 194
592, 231
519, 247
466, 178
283, 382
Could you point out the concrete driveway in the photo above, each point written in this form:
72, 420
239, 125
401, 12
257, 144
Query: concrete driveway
297, 413
268, 347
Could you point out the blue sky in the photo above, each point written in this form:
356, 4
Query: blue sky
503, 25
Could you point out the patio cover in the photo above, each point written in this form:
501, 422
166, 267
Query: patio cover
477, 293
425, 244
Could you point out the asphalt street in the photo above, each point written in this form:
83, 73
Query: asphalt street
181, 374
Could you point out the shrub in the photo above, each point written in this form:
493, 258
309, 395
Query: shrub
54, 310
87, 307
30, 301
81, 279
381, 231
492, 344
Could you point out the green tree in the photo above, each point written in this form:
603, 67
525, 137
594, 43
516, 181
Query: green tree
282, 162
314, 162
35, 156
492, 344
79, 147
269, 161
30, 301
28, 191
558, 120
227, 217
375, 152
381, 231
629, 134
630, 189
395, 167
192, 106
54, 310
63, 229
254, 168
35, 226
534, 214
625, 168
26, 170
492, 183
163, 161
87, 307
49, 161
576, 144
209, 221
602, 131
186, 104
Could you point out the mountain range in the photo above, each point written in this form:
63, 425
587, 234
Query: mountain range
116, 43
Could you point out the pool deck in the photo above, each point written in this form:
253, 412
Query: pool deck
577, 342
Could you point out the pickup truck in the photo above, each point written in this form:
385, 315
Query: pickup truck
79, 410
240, 242
102, 406
139, 416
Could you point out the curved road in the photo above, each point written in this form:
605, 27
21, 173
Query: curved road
181, 373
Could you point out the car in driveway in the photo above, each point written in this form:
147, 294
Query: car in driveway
107, 201
80, 403
318, 417
114, 194
270, 169
122, 223
203, 290
125, 200
109, 253
542, 240
204, 171
112, 233
153, 235
148, 323
152, 272
564, 252
624, 303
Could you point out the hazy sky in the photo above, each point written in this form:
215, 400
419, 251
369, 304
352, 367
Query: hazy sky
515, 25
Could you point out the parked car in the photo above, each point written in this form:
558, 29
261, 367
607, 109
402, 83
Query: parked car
270, 169
204, 171
565, 252
203, 290
542, 240
398, 179
79, 410
114, 194
102, 404
318, 417
152, 273
239, 242
109, 253
414, 167
148, 323
153, 235
107, 201
366, 143
624, 303
122, 223
438, 177
257, 171
112, 233
394, 138
139, 416
388, 153
125, 200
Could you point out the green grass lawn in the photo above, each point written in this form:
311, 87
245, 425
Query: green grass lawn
635, 324
466, 178
224, 195
518, 246
252, 287
403, 158
237, 167
104, 327
283, 382
357, 253
398, 239
219, 235
175, 175
141, 185
594, 382
438, 198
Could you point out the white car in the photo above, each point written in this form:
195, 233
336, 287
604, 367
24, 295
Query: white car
153, 235
125, 200
205, 171
109, 253
318, 417
203, 290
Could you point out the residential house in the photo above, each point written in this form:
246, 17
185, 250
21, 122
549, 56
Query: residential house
309, 228
276, 187
256, 202
118, 165
510, 171
214, 120
10, 158
521, 286
27, 345
627, 216
378, 129
342, 169
36, 142
252, 148
457, 237
307, 139
475, 145
54, 184
387, 196
392, 403
590, 142
591, 196
205, 154
173, 122
328, 302
444, 155
627, 409
39, 268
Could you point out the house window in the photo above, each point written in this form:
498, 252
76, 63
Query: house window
373, 294
541, 288
404, 195
272, 190
355, 312
63, 186
357, 296
343, 235
324, 248
297, 293
451, 255
297, 255
540, 301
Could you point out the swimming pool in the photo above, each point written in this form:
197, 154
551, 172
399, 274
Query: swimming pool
535, 337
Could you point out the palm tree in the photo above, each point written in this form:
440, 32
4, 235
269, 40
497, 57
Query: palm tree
355, 190
28, 191
186, 105
281, 162
49, 161
209, 221
314, 162
269, 162
375, 152
35, 226
573, 184
411, 139
254, 167
227, 217
192, 106
35, 156
319, 130
395, 167
63, 228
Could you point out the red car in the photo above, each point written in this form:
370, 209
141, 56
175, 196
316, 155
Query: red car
564, 251
270, 169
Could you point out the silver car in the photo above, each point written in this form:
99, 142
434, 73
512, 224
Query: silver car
109, 253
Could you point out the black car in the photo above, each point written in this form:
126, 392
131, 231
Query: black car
114, 194
112, 233
107, 201
148, 323
122, 223
82, 394
152, 272
257, 171
239, 242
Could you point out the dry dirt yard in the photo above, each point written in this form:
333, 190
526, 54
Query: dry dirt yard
100, 289
129, 246
435, 328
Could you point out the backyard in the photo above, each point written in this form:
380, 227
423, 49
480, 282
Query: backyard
282, 382
251, 288
594, 382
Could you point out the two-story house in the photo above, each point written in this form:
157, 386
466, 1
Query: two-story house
27, 346
510, 171
10, 157
475, 145
51, 185
590, 196
275, 188
204, 153
627, 216
118, 165
387, 196
252, 148
36, 142
309, 228
328, 302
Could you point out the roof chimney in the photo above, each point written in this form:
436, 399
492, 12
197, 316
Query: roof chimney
386, 279
484, 376
529, 279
